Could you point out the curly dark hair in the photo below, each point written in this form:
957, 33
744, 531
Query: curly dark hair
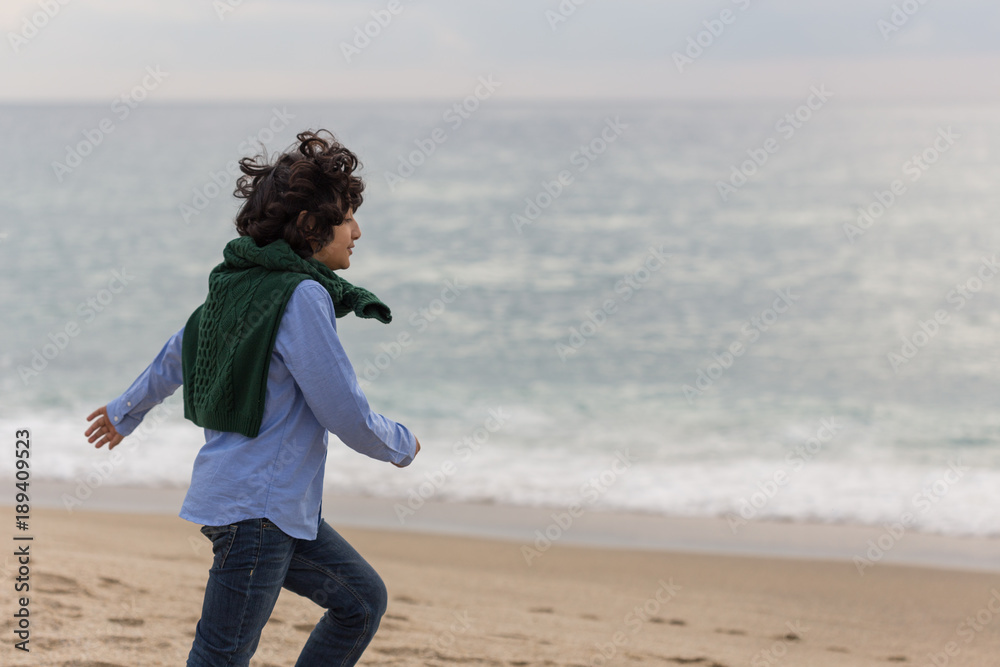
316, 176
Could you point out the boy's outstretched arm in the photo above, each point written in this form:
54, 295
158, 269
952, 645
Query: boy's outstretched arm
308, 343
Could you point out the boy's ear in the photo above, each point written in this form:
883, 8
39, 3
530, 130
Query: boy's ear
306, 224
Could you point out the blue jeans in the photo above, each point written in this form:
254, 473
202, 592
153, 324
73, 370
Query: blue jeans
253, 560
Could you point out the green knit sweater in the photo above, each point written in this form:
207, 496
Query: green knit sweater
227, 342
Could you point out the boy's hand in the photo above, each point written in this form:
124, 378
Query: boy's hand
415, 452
103, 431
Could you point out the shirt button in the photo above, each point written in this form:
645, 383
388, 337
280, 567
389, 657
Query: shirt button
129, 404
116, 418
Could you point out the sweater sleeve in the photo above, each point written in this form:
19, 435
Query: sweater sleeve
308, 342
160, 379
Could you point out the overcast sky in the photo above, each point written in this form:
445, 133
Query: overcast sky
293, 50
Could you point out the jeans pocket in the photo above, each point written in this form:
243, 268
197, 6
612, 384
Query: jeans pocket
222, 541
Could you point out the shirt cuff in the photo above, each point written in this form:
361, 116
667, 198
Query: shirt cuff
412, 450
118, 413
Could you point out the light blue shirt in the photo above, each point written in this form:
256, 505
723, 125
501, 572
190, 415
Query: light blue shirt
311, 389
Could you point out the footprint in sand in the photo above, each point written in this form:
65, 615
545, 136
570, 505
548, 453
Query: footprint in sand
897, 658
726, 631
677, 621
57, 604
542, 610
90, 663
407, 651
58, 584
406, 599
696, 661
109, 581
396, 617
130, 622
118, 639
304, 627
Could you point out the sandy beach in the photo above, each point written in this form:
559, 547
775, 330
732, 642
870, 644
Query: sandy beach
115, 589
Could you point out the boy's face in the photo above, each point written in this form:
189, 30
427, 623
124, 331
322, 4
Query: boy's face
337, 253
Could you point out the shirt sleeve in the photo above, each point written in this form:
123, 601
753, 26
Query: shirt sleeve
160, 379
308, 342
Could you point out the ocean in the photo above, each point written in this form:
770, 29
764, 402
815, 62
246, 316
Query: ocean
780, 310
